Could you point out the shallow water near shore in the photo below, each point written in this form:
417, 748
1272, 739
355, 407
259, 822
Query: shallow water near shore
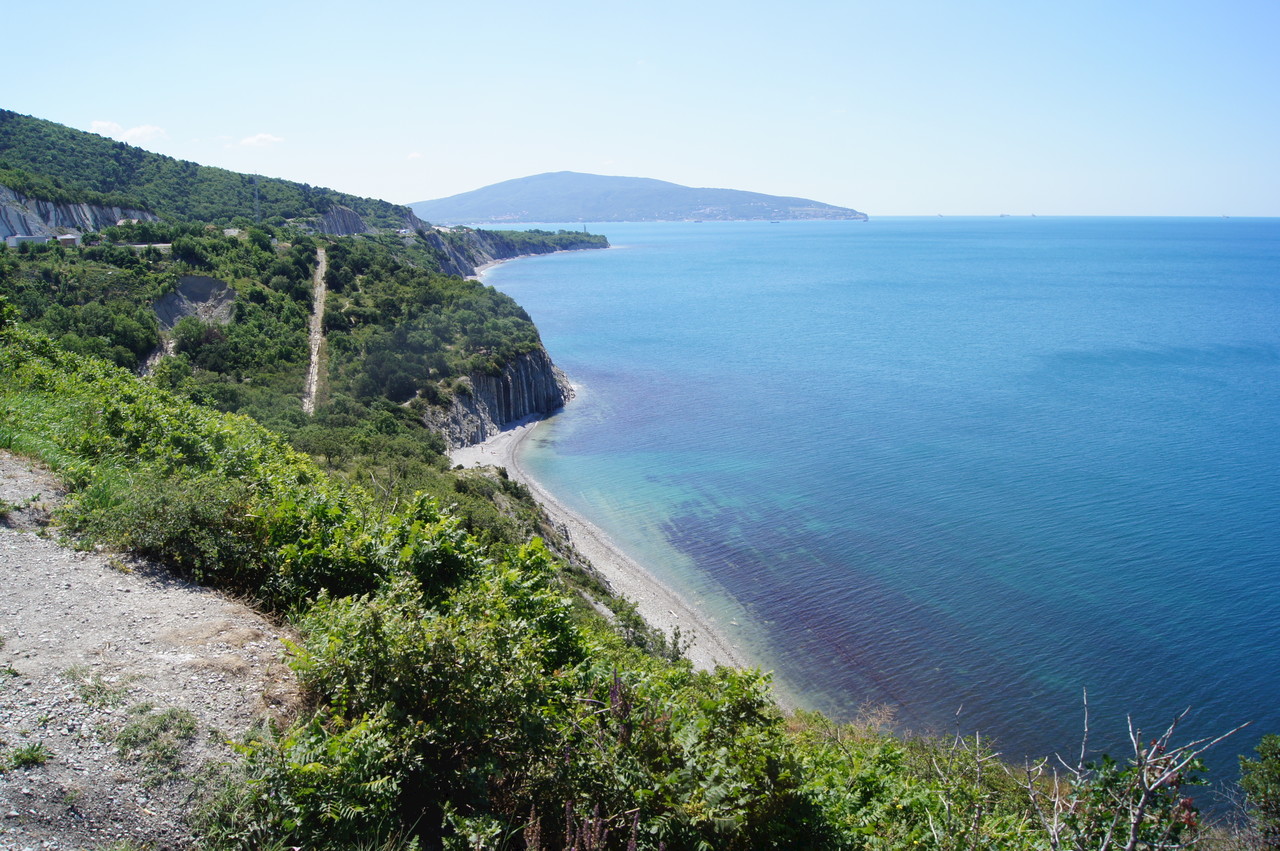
966, 466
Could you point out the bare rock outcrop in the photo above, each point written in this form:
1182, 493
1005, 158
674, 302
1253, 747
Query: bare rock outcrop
342, 221
208, 299
21, 215
529, 386
480, 247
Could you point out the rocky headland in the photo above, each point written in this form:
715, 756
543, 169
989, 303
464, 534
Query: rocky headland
529, 386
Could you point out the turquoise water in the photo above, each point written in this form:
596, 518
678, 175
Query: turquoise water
966, 466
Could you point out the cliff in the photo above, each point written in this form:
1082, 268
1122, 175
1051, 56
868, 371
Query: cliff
23, 214
464, 250
20, 214
529, 386
208, 299
341, 221
344, 221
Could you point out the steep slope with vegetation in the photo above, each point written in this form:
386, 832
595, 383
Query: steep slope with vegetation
404, 343
34, 207
78, 162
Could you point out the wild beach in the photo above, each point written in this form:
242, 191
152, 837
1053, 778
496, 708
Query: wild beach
660, 606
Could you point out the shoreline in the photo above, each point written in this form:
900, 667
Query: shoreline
660, 606
478, 275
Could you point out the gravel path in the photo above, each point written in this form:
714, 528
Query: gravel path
129, 681
316, 333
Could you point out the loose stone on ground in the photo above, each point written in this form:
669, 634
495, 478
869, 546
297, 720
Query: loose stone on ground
92, 642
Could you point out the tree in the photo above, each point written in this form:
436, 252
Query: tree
1260, 780
8, 313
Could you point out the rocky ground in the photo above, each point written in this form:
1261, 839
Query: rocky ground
120, 686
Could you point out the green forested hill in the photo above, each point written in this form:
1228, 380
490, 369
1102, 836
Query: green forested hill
400, 334
73, 160
55, 190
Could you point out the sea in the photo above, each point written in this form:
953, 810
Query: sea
979, 471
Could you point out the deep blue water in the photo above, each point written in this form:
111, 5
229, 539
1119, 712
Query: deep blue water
965, 466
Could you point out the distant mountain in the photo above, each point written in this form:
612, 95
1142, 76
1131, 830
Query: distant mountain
569, 196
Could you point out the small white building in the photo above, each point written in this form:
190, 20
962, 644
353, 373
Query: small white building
19, 238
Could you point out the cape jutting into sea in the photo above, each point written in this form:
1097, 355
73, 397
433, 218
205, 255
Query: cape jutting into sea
965, 467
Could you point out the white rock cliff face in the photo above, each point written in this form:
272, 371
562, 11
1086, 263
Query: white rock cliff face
34, 217
342, 221
529, 386
482, 247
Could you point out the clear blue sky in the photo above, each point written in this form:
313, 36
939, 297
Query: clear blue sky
1123, 107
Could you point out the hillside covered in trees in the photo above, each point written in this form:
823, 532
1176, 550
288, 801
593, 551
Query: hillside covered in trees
69, 164
464, 694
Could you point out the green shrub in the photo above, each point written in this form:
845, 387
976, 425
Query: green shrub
326, 784
202, 524
29, 756
1260, 779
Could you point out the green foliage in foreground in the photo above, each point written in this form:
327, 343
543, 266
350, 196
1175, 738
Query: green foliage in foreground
27, 756
457, 700
1260, 779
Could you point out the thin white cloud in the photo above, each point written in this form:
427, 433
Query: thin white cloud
416, 155
136, 135
145, 133
260, 140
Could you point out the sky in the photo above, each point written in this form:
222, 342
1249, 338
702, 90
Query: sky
896, 107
